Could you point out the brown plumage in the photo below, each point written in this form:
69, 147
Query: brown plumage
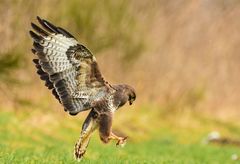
71, 72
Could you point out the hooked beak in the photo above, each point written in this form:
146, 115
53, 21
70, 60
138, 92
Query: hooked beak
130, 102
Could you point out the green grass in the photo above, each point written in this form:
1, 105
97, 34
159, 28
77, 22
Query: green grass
45, 138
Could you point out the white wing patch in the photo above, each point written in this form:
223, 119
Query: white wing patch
110, 104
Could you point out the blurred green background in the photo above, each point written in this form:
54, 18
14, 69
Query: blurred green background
182, 57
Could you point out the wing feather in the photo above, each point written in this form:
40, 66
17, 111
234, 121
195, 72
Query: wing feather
68, 68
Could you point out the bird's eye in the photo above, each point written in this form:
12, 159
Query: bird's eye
133, 98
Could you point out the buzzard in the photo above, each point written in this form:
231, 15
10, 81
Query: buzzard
71, 72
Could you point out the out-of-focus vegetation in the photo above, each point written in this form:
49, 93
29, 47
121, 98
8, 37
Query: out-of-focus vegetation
182, 57
8, 62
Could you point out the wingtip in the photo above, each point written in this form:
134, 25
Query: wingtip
35, 61
38, 29
38, 17
33, 24
31, 33
33, 51
36, 37
40, 20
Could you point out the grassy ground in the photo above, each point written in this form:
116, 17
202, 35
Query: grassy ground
48, 138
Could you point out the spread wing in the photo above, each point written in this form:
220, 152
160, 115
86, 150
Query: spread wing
68, 68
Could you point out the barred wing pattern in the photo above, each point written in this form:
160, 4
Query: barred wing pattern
67, 67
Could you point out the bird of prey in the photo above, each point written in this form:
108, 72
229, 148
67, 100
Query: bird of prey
71, 72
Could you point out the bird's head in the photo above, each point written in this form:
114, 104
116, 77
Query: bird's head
130, 93
131, 97
125, 93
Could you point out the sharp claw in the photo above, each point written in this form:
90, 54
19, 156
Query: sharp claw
78, 153
122, 142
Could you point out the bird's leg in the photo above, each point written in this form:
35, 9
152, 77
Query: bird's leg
89, 125
105, 131
120, 140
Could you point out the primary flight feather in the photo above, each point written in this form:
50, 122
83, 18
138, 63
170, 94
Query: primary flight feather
71, 72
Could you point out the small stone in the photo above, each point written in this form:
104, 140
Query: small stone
234, 157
